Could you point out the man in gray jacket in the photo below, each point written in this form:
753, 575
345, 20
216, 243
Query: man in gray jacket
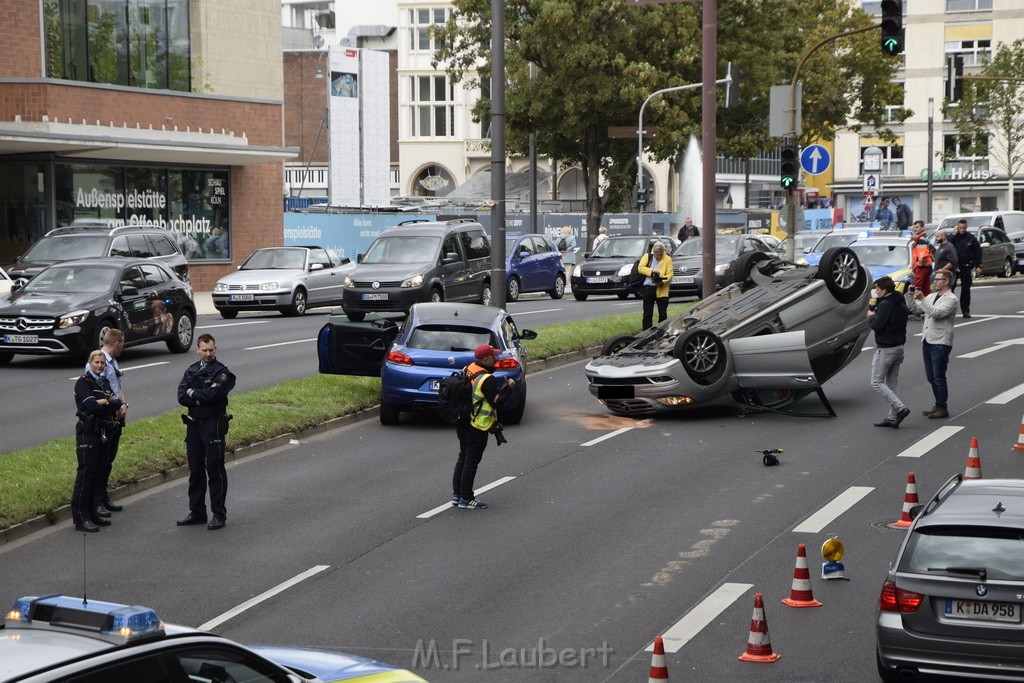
939, 310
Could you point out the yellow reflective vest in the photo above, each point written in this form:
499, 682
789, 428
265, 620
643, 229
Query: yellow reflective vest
482, 416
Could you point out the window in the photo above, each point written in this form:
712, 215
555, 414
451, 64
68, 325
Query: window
319, 256
155, 275
874, 7
975, 52
162, 246
420, 21
433, 106
485, 124
140, 246
450, 246
892, 159
967, 5
965, 148
476, 245
892, 110
119, 247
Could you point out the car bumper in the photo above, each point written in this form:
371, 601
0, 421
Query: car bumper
258, 301
623, 390
356, 301
70, 340
414, 388
612, 284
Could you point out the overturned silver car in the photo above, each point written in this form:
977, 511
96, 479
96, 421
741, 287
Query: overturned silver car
770, 338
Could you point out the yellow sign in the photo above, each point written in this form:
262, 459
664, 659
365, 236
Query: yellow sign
832, 549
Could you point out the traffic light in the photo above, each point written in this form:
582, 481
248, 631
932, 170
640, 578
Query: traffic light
641, 197
954, 72
732, 89
790, 167
892, 27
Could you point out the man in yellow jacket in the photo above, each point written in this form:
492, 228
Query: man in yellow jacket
656, 267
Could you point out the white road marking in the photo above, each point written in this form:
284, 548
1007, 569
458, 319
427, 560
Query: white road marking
135, 367
929, 442
826, 515
866, 348
997, 346
448, 506
609, 435
1007, 396
520, 314
279, 588
700, 616
270, 346
247, 322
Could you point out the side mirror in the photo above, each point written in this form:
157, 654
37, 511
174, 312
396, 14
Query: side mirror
315, 266
450, 257
15, 287
527, 334
986, 244
523, 254
129, 291
359, 258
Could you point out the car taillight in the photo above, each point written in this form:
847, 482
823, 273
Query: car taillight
507, 364
894, 599
398, 358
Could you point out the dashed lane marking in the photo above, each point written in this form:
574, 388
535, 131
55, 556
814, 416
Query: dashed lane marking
279, 588
826, 515
929, 442
247, 322
700, 616
270, 346
134, 367
448, 506
1007, 396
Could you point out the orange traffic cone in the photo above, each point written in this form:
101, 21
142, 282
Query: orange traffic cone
659, 672
909, 501
800, 594
973, 470
1019, 446
759, 645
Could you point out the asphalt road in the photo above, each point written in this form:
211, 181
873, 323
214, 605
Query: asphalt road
603, 532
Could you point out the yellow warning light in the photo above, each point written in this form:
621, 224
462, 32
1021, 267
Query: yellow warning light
832, 549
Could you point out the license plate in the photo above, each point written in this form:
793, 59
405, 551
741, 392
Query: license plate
682, 280
983, 611
614, 391
21, 339
382, 296
597, 280
1020, 262
241, 297
434, 385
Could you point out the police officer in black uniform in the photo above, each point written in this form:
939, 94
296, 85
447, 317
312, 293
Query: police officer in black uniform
97, 408
204, 391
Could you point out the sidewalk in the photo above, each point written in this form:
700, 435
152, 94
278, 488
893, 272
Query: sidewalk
204, 303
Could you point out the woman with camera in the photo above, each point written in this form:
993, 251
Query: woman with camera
656, 268
96, 407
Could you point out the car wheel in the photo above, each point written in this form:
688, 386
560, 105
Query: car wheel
436, 296
840, 269
298, 306
485, 294
579, 296
389, 413
5, 357
559, 289
513, 289
746, 263
616, 344
515, 415
701, 352
228, 314
184, 328
101, 331
623, 295
1007, 268
356, 317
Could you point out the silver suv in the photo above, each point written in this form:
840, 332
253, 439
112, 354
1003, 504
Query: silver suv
952, 602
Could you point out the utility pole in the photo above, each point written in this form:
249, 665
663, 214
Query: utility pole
498, 153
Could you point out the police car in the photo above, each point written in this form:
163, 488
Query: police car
61, 638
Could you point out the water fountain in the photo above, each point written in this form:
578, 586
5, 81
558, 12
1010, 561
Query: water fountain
691, 184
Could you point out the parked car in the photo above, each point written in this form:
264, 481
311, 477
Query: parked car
840, 237
412, 356
420, 261
69, 307
607, 269
285, 279
46, 639
533, 264
95, 238
887, 256
1018, 247
777, 333
951, 602
687, 262
5, 283
772, 241
803, 241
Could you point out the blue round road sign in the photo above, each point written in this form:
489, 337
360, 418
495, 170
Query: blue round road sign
815, 159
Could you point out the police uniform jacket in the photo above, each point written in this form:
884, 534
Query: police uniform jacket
210, 386
88, 390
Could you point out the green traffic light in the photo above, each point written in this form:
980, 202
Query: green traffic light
788, 182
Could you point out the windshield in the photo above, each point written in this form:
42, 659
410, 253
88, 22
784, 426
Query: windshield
619, 247
66, 248
72, 279
724, 244
882, 254
1000, 551
276, 259
403, 249
831, 241
449, 337
972, 222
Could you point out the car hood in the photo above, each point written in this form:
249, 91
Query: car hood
27, 269
46, 304
388, 271
897, 273
605, 265
252, 277
688, 264
333, 666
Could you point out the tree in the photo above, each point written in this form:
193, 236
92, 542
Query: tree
598, 60
989, 117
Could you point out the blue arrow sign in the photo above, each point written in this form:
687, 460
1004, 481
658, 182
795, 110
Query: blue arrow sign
815, 159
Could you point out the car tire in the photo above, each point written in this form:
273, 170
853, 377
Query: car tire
512, 293
228, 314
1007, 269
701, 352
101, 331
184, 329
579, 296
355, 316
616, 344
515, 416
558, 291
6, 357
745, 265
623, 295
389, 413
436, 295
485, 293
840, 269
298, 305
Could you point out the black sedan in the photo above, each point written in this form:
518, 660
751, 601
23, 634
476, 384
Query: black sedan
688, 278
68, 308
608, 268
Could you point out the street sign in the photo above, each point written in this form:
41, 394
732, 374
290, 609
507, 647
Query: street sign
781, 114
815, 159
872, 183
869, 200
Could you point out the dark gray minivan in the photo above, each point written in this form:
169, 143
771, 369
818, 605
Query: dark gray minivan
420, 261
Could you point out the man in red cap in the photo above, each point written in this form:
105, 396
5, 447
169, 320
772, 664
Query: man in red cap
474, 428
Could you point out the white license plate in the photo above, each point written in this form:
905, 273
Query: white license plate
1020, 262
682, 280
21, 339
383, 296
434, 385
597, 280
983, 611
241, 297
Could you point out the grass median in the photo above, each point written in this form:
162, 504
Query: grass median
38, 480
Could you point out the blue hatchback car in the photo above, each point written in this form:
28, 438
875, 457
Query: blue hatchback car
411, 356
533, 264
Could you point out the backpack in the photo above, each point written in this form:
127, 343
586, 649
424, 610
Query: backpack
636, 280
563, 244
454, 396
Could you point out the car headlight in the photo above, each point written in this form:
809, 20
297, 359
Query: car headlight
626, 270
577, 272
220, 287
71, 319
720, 269
413, 281
348, 282
267, 286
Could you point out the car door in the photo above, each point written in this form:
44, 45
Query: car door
477, 251
772, 361
322, 282
453, 269
529, 265
137, 321
356, 348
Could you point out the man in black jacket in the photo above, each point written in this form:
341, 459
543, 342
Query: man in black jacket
888, 318
968, 251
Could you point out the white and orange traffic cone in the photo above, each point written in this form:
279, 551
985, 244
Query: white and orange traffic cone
1019, 446
909, 501
973, 470
800, 594
759, 645
659, 672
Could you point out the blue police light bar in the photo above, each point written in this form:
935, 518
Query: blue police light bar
112, 621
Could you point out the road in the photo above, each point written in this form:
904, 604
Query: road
602, 532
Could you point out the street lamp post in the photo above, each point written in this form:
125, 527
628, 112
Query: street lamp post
931, 155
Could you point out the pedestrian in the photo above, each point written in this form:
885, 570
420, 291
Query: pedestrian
904, 216
482, 419
96, 407
204, 391
656, 269
888, 319
602, 235
884, 215
113, 345
939, 309
923, 259
968, 251
688, 230
945, 257
566, 244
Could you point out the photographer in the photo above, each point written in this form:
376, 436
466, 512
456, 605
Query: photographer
888, 319
656, 267
97, 408
481, 421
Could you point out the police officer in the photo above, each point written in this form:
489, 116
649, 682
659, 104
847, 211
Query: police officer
113, 345
97, 408
204, 391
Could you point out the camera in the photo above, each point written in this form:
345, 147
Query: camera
871, 307
911, 288
499, 435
